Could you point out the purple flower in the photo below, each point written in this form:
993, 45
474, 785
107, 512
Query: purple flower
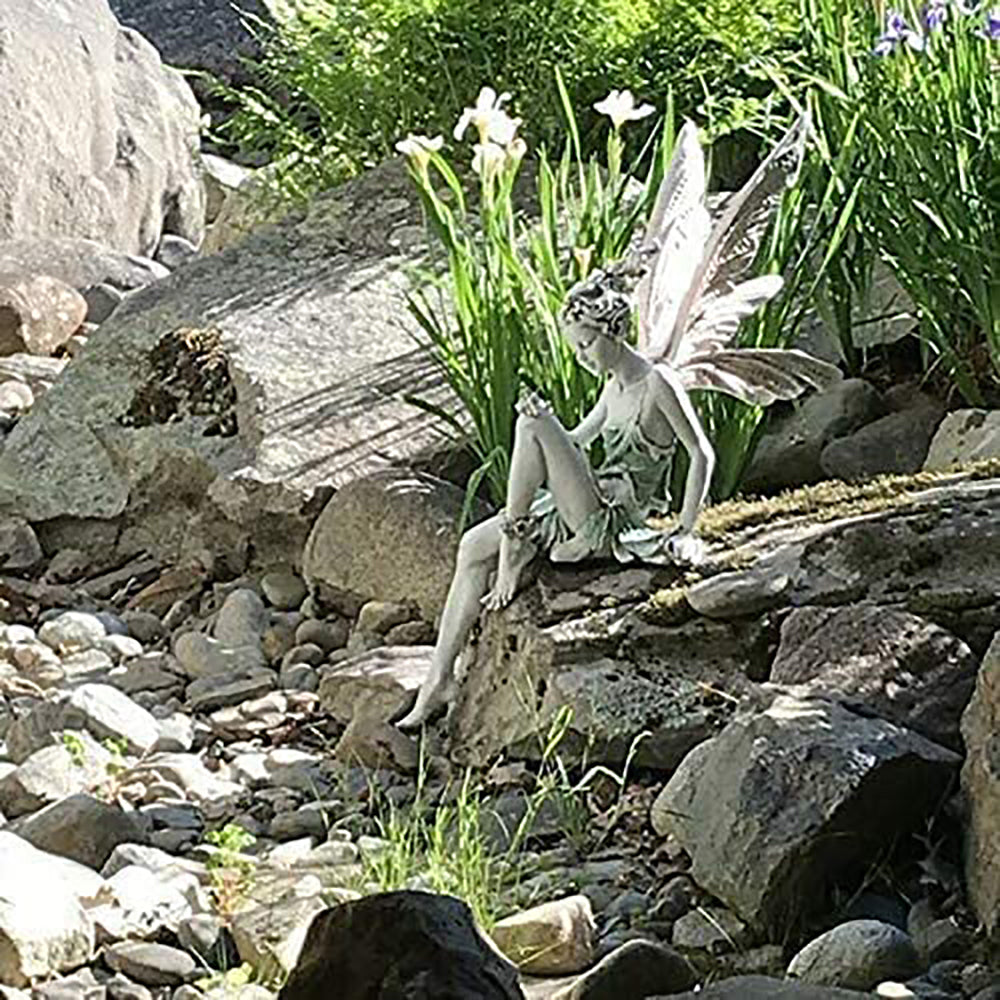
896, 31
993, 24
935, 13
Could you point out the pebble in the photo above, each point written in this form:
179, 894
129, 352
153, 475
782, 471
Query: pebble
72, 631
283, 590
328, 635
150, 964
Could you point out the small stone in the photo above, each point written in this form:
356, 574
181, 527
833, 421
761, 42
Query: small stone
173, 251
144, 626
283, 590
15, 397
241, 620
120, 647
299, 677
150, 964
328, 635
636, 969
72, 631
67, 564
202, 657
410, 634
857, 955
206, 938
713, 929
377, 617
19, 547
554, 938
102, 300
121, 988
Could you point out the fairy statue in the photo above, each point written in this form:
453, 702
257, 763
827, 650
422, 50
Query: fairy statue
693, 290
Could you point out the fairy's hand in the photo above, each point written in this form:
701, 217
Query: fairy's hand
686, 548
532, 405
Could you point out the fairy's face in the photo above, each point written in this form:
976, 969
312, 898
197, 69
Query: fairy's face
594, 349
596, 318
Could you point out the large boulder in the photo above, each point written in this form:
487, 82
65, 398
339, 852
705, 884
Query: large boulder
210, 408
981, 787
100, 139
436, 951
896, 664
44, 929
390, 536
808, 790
210, 35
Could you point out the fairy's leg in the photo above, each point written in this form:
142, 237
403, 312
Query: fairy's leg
477, 553
544, 455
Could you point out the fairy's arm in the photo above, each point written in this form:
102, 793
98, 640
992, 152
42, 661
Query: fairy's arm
587, 430
676, 406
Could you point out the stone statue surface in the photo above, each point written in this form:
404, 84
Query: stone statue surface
694, 288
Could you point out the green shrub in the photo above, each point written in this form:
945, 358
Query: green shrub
342, 81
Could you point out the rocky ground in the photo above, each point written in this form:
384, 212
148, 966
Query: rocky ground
195, 767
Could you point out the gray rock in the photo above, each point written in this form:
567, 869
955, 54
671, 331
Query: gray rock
806, 789
220, 462
981, 789
15, 397
43, 927
896, 664
305, 653
200, 34
81, 828
119, 987
202, 657
636, 969
38, 313
328, 635
283, 589
896, 443
241, 620
299, 677
209, 940
437, 952
790, 449
77, 764
131, 171
174, 251
711, 929
221, 177
73, 631
100, 709
391, 536
857, 955
120, 647
376, 685
380, 616
102, 300
965, 436
144, 626
152, 964
81, 263
36, 373
19, 548
210, 693
766, 988
82, 985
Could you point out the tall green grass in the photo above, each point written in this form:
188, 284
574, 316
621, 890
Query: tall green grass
912, 140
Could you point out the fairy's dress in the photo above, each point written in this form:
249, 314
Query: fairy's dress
633, 481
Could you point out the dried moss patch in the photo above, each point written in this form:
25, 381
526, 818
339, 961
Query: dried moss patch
832, 500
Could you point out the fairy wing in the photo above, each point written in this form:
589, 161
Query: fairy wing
678, 229
758, 376
718, 294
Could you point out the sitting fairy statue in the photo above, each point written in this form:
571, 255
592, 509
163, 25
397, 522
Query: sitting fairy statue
690, 300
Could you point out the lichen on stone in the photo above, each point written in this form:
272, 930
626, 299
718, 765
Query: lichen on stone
188, 378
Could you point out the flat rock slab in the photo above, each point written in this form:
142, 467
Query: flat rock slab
287, 356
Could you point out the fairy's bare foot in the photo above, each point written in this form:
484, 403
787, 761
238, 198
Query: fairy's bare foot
431, 700
686, 548
516, 551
